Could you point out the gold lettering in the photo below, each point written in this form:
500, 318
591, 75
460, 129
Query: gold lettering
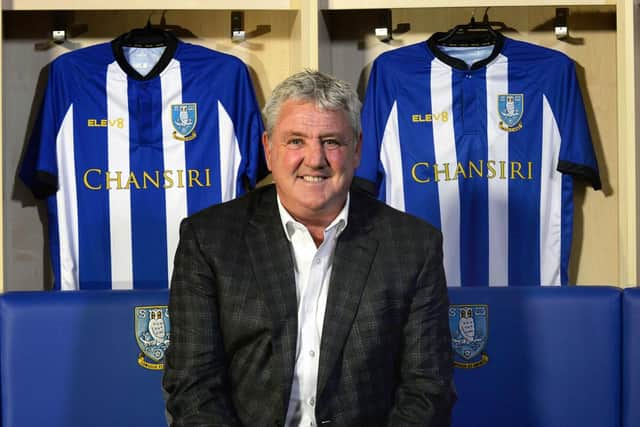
491, 169
85, 179
180, 178
194, 174
132, 180
516, 167
104, 123
445, 116
120, 123
502, 166
118, 180
416, 118
436, 171
168, 181
91, 123
207, 175
146, 176
530, 170
460, 171
473, 167
415, 175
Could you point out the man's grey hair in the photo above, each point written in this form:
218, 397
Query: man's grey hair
325, 91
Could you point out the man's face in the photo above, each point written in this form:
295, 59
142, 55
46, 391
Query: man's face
312, 155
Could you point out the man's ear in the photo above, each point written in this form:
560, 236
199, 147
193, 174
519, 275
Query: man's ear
266, 145
358, 151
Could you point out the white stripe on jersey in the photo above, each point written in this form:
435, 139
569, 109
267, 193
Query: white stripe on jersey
550, 200
498, 141
174, 159
445, 153
391, 159
119, 201
67, 206
230, 156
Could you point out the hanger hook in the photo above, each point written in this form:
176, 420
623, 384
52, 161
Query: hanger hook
485, 18
149, 19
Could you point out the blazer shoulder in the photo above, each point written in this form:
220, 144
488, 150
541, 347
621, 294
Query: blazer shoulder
233, 214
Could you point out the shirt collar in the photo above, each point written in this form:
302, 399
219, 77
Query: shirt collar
290, 224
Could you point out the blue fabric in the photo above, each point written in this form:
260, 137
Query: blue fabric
108, 155
553, 358
69, 359
399, 110
631, 357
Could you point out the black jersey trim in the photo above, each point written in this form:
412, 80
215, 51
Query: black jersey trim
580, 171
44, 185
171, 43
432, 44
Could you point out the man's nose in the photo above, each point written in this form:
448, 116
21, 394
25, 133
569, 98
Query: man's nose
315, 156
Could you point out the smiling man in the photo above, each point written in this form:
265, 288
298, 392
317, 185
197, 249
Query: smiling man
305, 303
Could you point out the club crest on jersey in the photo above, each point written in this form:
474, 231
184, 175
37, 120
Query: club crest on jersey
152, 335
510, 108
184, 118
469, 325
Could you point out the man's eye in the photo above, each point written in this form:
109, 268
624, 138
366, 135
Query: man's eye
294, 143
331, 143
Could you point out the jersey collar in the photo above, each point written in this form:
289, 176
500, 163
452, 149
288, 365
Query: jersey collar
432, 45
167, 56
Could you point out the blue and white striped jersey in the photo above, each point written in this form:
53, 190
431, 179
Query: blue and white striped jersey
122, 158
487, 153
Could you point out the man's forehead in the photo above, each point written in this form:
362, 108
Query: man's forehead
307, 113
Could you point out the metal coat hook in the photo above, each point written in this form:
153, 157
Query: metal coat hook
238, 31
561, 28
62, 31
384, 30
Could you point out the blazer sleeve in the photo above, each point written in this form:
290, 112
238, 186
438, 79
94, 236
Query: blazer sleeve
195, 382
425, 395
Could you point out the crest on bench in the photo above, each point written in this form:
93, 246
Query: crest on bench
152, 329
469, 325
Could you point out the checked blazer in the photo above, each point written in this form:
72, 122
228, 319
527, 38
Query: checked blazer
385, 353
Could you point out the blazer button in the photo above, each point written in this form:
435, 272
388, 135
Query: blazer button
325, 422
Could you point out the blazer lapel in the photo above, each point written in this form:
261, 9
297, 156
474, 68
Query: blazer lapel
352, 261
273, 266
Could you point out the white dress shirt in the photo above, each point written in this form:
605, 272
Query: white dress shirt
312, 267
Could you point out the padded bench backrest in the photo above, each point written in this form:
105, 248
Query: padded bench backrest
631, 357
552, 356
71, 359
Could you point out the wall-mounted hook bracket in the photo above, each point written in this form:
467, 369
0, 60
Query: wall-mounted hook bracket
62, 31
561, 27
238, 33
58, 36
383, 30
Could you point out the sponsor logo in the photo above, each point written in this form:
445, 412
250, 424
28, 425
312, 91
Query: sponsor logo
184, 118
103, 123
511, 108
97, 179
152, 329
425, 172
469, 325
430, 117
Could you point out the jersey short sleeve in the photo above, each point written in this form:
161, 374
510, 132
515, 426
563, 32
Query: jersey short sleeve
577, 157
